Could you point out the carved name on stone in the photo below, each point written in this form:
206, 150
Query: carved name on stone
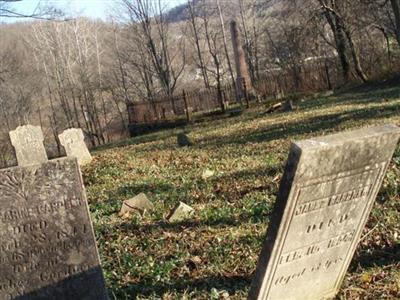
73, 141
326, 194
28, 144
48, 249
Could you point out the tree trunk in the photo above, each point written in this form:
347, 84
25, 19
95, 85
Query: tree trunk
396, 11
197, 43
356, 59
341, 49
226, 47
340, 40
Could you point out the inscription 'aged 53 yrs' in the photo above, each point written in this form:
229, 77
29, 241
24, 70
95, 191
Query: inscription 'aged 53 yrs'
47, 250
326, 194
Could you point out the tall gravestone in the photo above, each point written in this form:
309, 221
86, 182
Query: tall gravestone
326, 194
73, 141
28, 144
48, 249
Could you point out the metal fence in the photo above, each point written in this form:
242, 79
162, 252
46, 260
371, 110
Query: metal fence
275, 83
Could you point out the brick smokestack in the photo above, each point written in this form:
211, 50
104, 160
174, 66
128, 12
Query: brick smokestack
242, 69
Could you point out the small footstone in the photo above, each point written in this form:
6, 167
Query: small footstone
28, 143
73, 141
181, 212
183, 140
138, 203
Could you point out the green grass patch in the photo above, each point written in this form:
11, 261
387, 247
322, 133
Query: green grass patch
213, 255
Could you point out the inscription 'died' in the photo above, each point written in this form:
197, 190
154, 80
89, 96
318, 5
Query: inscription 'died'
326, 236
326, 194
48, 250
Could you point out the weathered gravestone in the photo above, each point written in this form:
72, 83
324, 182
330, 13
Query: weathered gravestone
73, 141
48, 250
28, 144
327, 191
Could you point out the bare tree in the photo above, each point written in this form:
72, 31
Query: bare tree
147, 19
214, 48
396, 11
335, 14
41, 11
196, 36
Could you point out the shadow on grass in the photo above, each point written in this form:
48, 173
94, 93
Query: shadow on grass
147, 286
258, 215
130, 190
373, 92
369, 93
376, 257
267, 171
159, 132
148, 138
270, 175
380, 96
117, 196
310, 125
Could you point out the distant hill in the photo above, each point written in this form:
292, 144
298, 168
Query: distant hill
179, 13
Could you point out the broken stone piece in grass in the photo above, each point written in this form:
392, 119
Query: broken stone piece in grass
181, 212
183, 140
207, 174
138, 203
274, 107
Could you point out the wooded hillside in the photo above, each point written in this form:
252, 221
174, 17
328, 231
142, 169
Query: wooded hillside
84, 73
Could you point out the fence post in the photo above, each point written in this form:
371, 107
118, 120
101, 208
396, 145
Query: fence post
246, 94
186, 106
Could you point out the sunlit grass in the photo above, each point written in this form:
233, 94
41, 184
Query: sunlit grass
213, 255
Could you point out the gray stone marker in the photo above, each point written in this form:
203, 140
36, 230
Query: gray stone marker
28, 144
326, 194
139, 203
73, 141
48, 250
181, 212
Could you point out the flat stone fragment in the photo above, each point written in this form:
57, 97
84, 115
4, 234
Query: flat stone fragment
28, 144
181, 212
73, 141
139, 202
326, 194
207, 174
274, 107
48, 249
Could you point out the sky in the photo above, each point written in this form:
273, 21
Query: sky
89, 8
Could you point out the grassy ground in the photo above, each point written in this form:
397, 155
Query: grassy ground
213, 255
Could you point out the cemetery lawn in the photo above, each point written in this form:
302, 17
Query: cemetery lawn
213, 255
